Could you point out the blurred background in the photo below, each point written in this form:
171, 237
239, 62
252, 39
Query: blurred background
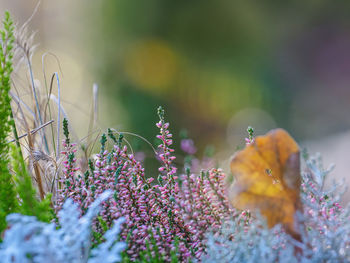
215, 66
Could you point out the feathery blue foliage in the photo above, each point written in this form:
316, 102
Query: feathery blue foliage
31, 241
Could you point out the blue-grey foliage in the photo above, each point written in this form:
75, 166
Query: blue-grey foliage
31, 241
238, 242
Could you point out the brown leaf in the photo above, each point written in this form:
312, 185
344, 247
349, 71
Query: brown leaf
267, 179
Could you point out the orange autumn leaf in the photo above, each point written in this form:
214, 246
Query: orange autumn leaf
267, 179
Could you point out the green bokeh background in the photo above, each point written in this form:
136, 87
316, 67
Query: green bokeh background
205, 61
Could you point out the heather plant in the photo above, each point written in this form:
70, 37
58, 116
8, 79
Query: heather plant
31, 241
204, 204
163, 218
135, 197
326, 228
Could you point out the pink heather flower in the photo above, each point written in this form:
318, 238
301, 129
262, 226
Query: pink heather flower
250, 138
198, 165
187, 145
140, 156
249, 141
164, 211
204, 204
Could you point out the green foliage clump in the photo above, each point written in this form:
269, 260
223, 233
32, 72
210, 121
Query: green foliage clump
28, 203
17, 194
7, 193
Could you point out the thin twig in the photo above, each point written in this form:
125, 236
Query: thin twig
32, 15
47, 106
43, 65
58, 116
93, 113
36, 99
138, 136
32, 131
31, 147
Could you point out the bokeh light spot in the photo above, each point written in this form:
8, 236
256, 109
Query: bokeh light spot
151, 65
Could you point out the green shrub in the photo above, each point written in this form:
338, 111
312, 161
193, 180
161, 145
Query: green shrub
17, 193
8, 203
